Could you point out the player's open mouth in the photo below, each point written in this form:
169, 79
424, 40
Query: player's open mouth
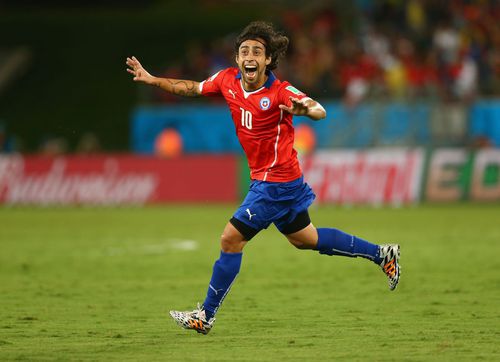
250, 71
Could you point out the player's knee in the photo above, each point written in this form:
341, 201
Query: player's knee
301, 244
231, 244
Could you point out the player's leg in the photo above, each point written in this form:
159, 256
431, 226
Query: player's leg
242, 227
330, 241
225, 270
300, 232
246, 222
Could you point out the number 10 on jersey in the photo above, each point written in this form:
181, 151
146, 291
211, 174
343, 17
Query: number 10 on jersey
246, 118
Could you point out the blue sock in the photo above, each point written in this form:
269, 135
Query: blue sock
337, 242
225, 270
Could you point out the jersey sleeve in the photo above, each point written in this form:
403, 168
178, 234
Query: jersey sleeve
212, 85
286, 91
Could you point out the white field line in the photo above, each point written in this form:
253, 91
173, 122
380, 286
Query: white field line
154, 249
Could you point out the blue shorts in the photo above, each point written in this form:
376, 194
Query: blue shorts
274, 202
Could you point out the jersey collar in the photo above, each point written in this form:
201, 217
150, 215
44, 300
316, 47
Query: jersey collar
270, 78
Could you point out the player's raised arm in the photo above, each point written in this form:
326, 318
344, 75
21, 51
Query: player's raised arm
180, 87
305, 107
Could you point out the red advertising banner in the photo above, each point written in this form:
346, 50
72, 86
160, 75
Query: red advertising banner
117, 179
376, 176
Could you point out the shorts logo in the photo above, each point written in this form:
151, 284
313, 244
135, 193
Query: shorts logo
250, 214
265, 103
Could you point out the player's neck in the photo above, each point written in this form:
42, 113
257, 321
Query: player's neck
255, 86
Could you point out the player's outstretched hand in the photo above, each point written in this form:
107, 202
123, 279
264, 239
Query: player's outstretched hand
297, 107
137, 70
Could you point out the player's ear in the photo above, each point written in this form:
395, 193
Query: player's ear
236, 58
268, 60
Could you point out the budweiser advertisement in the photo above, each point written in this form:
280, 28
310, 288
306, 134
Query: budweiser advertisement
117, 179
375, 176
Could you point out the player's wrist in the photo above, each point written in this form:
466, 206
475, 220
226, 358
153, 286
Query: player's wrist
152, 80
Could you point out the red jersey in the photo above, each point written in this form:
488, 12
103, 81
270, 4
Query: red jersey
264, 130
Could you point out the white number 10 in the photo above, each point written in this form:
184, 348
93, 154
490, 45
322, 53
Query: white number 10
246, 118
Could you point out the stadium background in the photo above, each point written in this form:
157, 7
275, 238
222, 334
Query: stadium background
420, 76
412, 91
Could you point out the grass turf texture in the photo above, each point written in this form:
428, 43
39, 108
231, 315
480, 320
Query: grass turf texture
97, 284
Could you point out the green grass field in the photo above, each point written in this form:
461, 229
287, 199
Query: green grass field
97, 284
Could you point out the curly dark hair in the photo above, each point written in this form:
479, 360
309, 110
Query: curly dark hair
276, 43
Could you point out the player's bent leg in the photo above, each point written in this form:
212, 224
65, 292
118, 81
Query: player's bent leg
307, 238
300, 232
337, 242
329, 241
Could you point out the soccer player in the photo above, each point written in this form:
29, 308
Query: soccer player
262, 108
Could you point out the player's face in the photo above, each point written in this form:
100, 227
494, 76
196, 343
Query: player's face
252, 61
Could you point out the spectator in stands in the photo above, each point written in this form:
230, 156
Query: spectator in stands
88, 144
53, 146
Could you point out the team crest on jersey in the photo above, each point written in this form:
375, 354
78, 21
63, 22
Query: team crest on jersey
265, 103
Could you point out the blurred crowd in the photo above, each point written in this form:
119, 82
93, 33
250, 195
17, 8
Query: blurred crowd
393, 49
443, 51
